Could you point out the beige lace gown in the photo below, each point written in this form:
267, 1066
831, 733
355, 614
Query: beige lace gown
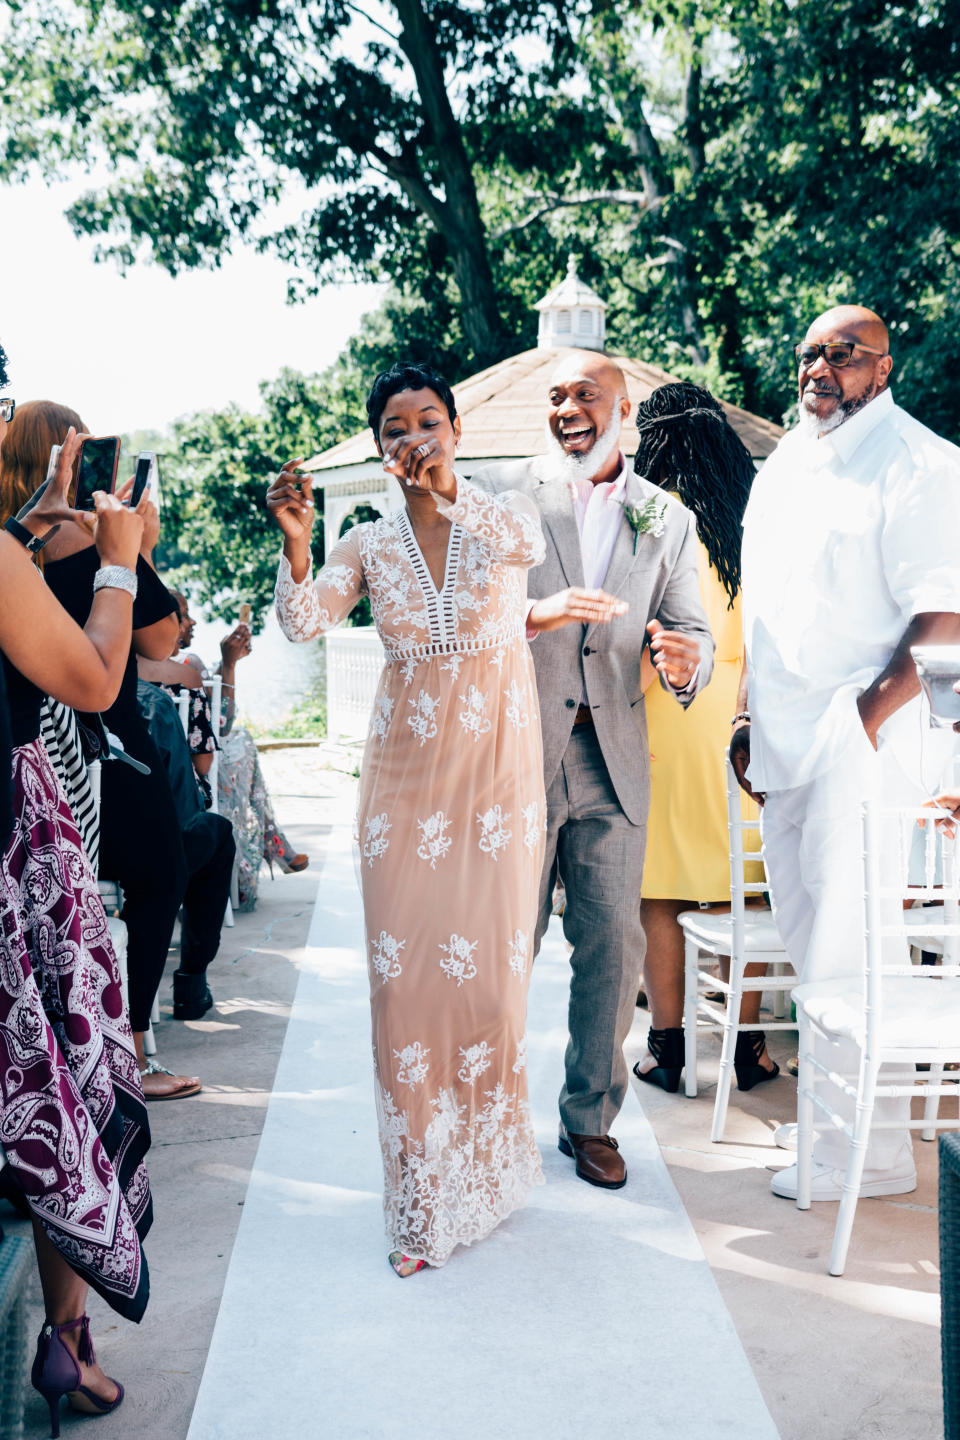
451, 825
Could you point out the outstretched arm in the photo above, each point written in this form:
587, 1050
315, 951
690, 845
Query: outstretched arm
897, 682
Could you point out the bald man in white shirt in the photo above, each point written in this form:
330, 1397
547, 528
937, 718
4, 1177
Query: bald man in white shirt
604, 588
850, 548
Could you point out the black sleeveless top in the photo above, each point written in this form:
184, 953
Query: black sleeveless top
24, 700
71, 580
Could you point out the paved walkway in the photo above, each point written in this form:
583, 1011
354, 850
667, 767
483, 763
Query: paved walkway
533, 1333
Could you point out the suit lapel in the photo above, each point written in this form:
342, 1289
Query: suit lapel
556, 507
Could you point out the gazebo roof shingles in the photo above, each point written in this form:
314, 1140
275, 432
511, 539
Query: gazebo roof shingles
503, 409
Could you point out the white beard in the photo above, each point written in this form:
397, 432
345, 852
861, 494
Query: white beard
812, 426
576, 466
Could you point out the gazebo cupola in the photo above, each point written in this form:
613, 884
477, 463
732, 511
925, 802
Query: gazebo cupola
571, 314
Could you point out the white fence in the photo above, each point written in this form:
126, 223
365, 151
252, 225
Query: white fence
354, 663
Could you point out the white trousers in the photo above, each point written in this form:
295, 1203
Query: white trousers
813, 847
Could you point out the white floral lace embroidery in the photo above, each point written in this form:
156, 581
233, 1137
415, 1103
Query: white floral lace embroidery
434, 840
382, 715
423, 722
520, 1063
494, 835
476, 1059
466, 1174
516, 707
500, 536
340, 577
414, 1065
453, 664
375, 842
473, 717
385, 956
532, 828
457, 963
519, 953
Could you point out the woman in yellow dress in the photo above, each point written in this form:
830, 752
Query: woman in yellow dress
688, 446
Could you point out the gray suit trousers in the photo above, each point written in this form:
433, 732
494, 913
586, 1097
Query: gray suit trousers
599, 856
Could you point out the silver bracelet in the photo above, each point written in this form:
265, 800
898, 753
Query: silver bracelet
116, 577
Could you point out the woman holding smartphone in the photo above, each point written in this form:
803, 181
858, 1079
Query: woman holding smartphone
72, 1116
451, 814
140, 842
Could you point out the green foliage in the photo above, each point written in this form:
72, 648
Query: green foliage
306, 721
723, 172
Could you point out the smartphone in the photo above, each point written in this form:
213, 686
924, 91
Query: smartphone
95, 468
245, 612
145, 476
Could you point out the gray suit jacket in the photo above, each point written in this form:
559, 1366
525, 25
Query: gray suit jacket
659, 581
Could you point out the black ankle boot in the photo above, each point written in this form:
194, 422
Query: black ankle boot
666, 1047
746, 1060
191, 996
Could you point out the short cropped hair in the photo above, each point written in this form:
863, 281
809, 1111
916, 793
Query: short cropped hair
406, 377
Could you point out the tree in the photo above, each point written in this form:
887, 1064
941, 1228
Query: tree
215, 467
204, 112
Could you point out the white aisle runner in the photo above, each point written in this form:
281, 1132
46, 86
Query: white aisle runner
588, 1314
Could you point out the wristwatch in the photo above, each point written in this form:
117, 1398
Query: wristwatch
31, 542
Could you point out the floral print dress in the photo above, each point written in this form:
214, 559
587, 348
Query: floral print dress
451, 826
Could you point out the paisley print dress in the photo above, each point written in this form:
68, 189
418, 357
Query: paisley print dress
73, 1124
451, 825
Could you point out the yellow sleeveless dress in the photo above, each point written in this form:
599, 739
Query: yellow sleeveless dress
687, 840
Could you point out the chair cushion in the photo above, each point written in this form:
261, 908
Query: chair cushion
919, 1013
715, 932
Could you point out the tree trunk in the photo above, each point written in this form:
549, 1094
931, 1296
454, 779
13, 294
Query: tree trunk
459, 217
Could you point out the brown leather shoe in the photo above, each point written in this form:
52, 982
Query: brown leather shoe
598, 1158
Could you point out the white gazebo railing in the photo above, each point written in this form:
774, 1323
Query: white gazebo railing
354, 663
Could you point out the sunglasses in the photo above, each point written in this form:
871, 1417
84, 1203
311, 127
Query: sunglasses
7, 407
837, 353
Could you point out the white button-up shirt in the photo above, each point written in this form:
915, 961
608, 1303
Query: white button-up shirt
845, 538
598, 510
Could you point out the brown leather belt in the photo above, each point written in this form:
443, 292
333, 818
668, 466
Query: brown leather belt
584, 716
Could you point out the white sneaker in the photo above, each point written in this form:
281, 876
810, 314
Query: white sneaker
827, 1183
786, 1135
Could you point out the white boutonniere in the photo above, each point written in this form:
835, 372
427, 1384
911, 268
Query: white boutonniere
646, 520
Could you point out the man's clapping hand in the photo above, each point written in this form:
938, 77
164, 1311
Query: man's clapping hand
574, 606
675, 654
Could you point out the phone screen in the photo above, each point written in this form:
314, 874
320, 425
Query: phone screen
97, 470
146, 467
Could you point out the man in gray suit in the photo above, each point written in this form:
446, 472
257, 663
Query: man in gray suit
606, 528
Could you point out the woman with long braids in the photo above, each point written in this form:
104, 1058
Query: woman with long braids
687, 446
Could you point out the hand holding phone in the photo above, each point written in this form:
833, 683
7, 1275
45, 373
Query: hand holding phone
95, 468
48, 506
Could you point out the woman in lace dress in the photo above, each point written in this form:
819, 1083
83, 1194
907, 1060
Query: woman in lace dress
450, 817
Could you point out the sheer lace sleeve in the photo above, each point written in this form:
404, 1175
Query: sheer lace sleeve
508, 524
307, 609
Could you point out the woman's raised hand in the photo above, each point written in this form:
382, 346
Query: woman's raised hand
51, 508
117, 531
236, 645
575, 606
290, 501
420, 460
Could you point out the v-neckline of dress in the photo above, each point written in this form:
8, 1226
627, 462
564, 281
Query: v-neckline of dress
451, 561
440, 604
